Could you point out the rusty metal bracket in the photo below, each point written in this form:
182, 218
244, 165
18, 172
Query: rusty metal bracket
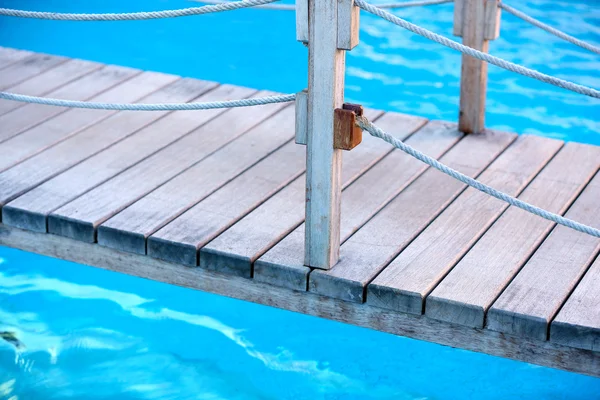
346, 134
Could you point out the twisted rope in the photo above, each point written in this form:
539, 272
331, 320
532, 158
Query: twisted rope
292, 7
550, 29
478, 54
377, 132
149, 107
185, 12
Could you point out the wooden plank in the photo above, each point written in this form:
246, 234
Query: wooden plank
129, 229
80, 218
45, 165
326, 69
418, 327
32, 115
236, 249
370, 249
468, 291
27, 68
348, 20
414, 273
302, 21
578, 322
492, 20
282, 265
301, 107
473, 75
10, 56
48, 81
63, 126
30, 211
536, 294
180, 240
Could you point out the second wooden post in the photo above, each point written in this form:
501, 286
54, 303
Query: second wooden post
478, 22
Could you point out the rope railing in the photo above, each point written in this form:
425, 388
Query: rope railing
375, 131
256, 101
292, 7
499, 62
549, 29
144, 15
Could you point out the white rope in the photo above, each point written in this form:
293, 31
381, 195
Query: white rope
377, 132
149, 107
550, 29
478, 54
292, 7
185, 12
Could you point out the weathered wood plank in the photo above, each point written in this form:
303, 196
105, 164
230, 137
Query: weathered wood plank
348, 20
31, 210
418, 327
28, 67
129, 229
180, 240
578, 322
326, 70
32, 116
414, 273
368, 251
283, 265
466, 293
236, 249
43, 136
48, 81
45, 165
80, 218
536, 294
10, 56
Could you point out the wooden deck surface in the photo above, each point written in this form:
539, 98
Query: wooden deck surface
214, 200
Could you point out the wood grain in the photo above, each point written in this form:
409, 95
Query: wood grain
376, 243
467, 292
326, 69
48, 81
180, 240
236, 249
80, 218
10, 56
28, 67
473, 75
282, 265
129, 229
36, 126
417, 327
416, 271
45, 165
578, 322
30, 211
533, 298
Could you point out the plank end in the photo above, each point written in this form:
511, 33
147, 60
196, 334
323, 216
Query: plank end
24, 219
73, 229
118, 239
166, 250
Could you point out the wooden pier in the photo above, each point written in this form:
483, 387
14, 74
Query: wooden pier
214, 200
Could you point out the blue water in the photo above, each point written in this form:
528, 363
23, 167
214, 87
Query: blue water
92, 334
85, 333
391, 69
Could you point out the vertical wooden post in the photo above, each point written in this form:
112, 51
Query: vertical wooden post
478, 22
326, 67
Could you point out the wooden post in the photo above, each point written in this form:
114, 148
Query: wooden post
478, 22
326, 67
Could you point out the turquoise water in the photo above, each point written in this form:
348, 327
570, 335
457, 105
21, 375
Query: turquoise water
81, 333
86, 333
391, 69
